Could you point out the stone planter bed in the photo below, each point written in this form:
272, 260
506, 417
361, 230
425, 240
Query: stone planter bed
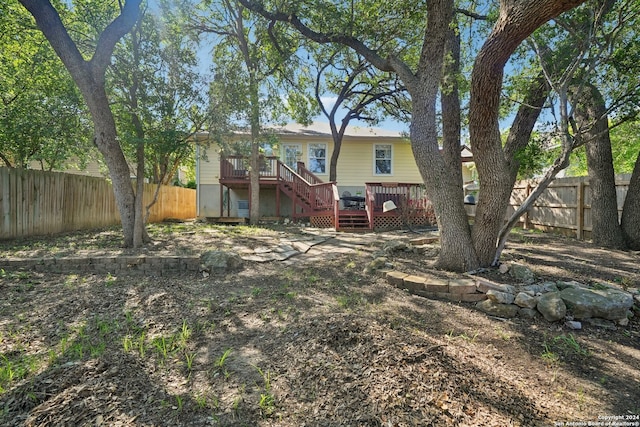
600, 305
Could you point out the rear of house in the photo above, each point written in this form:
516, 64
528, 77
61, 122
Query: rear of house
369, 160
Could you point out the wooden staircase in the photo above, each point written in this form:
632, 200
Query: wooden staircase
316, 197
353, 220
307, 191
311, 197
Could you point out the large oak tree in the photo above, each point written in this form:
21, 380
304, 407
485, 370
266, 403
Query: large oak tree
89, 76
463, 248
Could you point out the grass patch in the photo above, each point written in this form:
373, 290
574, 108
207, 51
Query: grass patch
351, 301
563, 347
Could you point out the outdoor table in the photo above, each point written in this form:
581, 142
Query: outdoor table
358, 201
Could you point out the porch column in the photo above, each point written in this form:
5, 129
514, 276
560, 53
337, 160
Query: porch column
221, 200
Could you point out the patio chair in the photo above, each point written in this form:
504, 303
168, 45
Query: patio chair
348, 204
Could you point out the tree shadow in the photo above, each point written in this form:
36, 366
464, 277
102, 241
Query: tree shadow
305, 344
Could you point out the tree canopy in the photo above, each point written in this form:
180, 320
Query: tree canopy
462, 65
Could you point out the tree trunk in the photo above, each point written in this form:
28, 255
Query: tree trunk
593, 122
337, 135
631, 210
445, 193
106, 141
254, 172
443, 185
517, 20
450, 102
89, 76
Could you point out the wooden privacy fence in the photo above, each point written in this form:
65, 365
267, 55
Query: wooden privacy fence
565, 206
36, 203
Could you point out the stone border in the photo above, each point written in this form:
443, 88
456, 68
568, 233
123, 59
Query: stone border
508, 301
471, 289
144, 265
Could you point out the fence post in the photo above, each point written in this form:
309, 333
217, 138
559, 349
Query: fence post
580, 210
525, 224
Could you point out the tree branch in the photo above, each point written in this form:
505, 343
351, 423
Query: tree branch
390, 63
472, 14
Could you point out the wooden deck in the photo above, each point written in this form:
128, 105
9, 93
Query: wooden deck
320, 201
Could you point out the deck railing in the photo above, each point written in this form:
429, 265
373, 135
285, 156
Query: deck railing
323, 196
237, 167
401, 194
307, 175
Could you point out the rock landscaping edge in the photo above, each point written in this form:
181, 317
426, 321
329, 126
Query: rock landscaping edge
164, 265
602, 306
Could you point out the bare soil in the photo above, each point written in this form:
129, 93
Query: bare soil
313, 341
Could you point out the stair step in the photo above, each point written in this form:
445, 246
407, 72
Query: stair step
353, 221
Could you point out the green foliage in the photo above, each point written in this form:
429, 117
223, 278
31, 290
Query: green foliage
538, 155
220, 364
42, 116
14, 368
158, 93
254, 65
561, 347
267, 402
625, 147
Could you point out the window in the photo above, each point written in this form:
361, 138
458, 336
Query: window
318, 158
292, 154
268, 149
382, 159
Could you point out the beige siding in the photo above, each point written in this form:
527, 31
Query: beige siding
355, 166
209, 165
467, 172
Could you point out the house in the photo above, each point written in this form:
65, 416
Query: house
375, 166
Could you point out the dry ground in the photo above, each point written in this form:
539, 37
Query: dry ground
304, 343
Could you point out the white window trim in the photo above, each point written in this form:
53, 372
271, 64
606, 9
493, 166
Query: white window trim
298, 145
326, 160
375, 173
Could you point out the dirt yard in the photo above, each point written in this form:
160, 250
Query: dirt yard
312, 341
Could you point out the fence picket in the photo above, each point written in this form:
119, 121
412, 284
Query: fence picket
34, 202
565, 206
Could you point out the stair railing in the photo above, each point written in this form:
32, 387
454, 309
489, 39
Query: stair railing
307, 175
336, 206
318, 195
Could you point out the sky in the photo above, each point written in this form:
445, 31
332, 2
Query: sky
389, 124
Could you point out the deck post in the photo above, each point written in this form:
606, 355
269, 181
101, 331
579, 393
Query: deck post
221, 200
